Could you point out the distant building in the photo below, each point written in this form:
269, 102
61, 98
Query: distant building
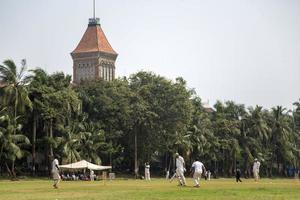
207, 107
93, 58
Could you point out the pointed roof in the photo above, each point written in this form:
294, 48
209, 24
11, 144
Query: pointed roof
94, 40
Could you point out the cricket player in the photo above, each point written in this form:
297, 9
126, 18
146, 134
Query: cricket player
147, 171
197, 169
55, 173
256, 166
167, 174
180, 169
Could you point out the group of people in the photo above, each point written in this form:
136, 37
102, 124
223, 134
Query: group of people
57, 177
81, 176
255, 170
197, 170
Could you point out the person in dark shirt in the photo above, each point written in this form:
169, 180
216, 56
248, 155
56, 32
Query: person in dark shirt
238, 173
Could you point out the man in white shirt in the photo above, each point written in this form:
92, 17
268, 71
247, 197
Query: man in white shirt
147, 171
92, 175
197, 169
167, 175
208, 175
55, 173
180, 168
256, 166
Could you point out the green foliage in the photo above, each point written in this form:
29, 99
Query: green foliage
145, 118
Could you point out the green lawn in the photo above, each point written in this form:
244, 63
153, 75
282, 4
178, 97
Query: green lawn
220, 189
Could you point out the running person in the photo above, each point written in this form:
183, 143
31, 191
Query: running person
197, 168
180, 168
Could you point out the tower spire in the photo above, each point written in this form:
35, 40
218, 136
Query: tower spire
94, 21
94, 9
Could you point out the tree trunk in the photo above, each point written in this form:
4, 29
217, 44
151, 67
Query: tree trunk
34, 142
216, 169
166, 162
8, 170
136, 169
51, 136
13, 169
50, 156
246, 168
15, 111
271, 166
15, 129
170, 163
110, 159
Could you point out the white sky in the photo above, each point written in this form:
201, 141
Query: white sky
242, 50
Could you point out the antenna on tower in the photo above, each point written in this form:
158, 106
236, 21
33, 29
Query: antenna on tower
94, 21
94, 9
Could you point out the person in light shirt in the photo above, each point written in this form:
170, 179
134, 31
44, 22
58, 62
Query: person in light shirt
256, 166
180, 169
55, 172
147, 171
197, 169
92, 175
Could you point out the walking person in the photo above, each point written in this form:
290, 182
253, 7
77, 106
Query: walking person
180, 169
147, 171
197, 169
256, 166
238, 175
238, 172
55, 172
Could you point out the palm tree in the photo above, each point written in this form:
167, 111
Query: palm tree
14, 93
69, 143
257, 124
11, 142
92, 141
38, 80
281, 136
296, 114
13, 85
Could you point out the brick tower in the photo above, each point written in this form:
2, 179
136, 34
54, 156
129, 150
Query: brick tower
93, 58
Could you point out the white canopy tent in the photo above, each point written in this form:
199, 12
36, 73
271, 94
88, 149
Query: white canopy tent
83, 164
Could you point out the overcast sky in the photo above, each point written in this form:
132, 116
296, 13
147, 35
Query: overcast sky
242, 50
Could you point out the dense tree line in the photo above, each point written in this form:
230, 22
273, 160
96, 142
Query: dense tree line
130, 121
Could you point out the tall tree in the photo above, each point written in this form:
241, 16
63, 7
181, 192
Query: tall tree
13, 90
12, 142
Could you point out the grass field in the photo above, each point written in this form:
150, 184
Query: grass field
220, 189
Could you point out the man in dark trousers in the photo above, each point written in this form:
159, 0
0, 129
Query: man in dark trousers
238, 173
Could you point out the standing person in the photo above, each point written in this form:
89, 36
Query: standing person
92, 175
147, 171
197, 168
180, 168
55, 172
256, 166
167, 174
208, 175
